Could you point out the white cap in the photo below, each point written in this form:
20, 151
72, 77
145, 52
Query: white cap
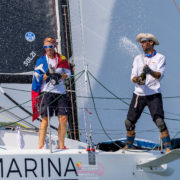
147, 36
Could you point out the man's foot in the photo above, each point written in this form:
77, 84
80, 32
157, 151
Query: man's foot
41, 147
62, 147
168, 150
126, 147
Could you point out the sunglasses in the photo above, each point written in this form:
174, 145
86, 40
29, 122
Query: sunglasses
50, 46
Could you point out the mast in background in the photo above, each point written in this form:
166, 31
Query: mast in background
66, 49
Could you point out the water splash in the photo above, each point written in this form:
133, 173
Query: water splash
128, 47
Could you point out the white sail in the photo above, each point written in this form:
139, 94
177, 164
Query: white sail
103, 37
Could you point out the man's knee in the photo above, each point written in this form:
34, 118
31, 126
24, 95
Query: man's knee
129, 125
160, 124
63, 119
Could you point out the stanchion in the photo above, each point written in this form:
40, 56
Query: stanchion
49, 128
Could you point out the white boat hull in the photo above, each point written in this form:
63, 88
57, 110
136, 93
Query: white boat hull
73, 163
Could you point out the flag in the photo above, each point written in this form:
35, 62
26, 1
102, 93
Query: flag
40, 69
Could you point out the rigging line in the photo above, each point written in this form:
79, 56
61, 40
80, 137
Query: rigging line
84, 57
62, 94
21, 107
123, 100
177, 133
13, 120
82, 31
9, 124
30, 99
103, 98
15, 89
98, 114
171, 119
172, 113
97, 97
17, 117
118, 130
30, 91
171, 97
87, 117
176, 5
100, 108
108, 90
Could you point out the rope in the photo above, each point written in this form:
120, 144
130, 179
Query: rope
85, 124
122, 100
15, 122
17, 117
108, 90
89, 97
176, 5
31, 99
98, 114
89, 117
62, 94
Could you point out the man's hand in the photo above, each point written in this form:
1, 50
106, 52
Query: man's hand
147, 70
64, 76
47, 73
139, 80
55, 77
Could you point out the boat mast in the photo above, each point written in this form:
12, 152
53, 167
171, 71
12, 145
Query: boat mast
66, 49
58, 40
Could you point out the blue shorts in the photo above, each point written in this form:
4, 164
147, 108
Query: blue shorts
58, 104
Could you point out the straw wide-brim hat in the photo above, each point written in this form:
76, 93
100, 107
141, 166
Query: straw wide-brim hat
147, 36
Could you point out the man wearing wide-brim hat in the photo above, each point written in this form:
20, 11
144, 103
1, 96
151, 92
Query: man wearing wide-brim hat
148, 69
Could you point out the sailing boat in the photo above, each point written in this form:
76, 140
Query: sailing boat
89, 44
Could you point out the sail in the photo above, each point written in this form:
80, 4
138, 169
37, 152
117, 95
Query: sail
24, 25
103, 37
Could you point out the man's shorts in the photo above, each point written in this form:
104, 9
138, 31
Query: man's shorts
58, 104
138, 103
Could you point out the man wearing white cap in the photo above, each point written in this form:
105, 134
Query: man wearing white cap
148, 69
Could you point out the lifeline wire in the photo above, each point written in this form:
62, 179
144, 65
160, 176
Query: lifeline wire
98, 114
123, 100
30, 99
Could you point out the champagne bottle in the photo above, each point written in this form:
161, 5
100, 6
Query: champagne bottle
143, 76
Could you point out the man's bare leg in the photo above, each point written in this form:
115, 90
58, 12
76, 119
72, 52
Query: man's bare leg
42, 132
62, 130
